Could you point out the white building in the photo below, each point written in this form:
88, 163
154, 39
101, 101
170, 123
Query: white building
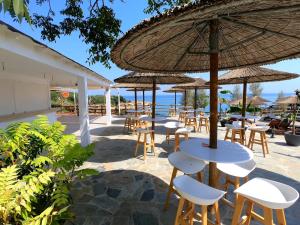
28, 69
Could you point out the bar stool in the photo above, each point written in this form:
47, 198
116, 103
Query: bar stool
269, 195
185, 164
237, 133
182, 115
148, 141
261, 131
172, 125
127, 123
237, 171
203, 122
195, 193
191, 121
172, 112
181, 132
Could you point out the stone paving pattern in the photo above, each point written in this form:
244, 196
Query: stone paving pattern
131, 191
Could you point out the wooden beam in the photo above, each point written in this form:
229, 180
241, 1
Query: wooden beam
153, 102
244, 102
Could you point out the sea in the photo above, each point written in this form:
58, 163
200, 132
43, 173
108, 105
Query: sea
165, 101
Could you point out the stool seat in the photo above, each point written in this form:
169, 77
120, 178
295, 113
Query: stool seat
259, 128
185, 163
237, 169
196, 192
269, 193
172, 125
183, 130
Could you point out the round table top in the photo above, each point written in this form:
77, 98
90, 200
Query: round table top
150, 119
227, 152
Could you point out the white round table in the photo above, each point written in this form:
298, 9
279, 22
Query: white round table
135, 111
227, 152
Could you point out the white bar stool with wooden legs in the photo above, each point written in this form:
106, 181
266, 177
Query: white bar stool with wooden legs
261, 131
191, 121
171, 126
203, 122
181, 132
233, 174
148, 141
196, 193
185, 164
267, 194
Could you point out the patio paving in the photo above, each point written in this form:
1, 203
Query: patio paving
130, 191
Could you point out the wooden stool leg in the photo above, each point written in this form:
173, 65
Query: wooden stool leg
168, 136
238, 210
152, 142
204, 214
266, 142
179, 211
217, 214
250, 139
167, 203
232, 135
262, 144
226, 134
248, 212
137, 144
191, 217
207, 126
200, 176
145, 146
281, 217
268, 214
186, 137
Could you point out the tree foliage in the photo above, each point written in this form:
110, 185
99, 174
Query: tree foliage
236, 92
256, 89
202, 98
95, 21
38, 163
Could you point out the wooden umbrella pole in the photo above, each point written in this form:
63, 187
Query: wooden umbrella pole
135, 99
143, 99
213, 58
185, 98
195, 102
153, 102
244, 102
175, 103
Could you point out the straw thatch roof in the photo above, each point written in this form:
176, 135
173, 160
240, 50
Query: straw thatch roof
256, 100
199, 83
254, 74
132, 85
288, 100
147, 78
251, 32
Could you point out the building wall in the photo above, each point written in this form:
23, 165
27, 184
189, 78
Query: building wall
20, 94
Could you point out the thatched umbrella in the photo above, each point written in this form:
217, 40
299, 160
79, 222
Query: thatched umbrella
291, 100
211, 35
256, 101
143, 91
253, 74
154, 79
175, 91
199, 83
135, 87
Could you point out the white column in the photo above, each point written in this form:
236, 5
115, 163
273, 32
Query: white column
108, 106
83, 111
119, 102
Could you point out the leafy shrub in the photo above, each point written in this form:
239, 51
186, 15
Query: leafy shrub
38, 163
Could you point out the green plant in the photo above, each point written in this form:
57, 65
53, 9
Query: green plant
38, 165
295, 111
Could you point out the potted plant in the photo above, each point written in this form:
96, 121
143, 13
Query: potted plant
293, 137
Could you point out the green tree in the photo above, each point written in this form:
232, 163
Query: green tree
280, 95
202, 98
236, 92
256, 89
94, 21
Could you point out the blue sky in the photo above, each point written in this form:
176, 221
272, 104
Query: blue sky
131, 13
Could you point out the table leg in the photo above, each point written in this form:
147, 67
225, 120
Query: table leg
213, 174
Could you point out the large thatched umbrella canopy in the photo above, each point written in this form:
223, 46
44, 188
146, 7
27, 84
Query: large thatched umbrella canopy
256, 101
154, 79
210, 35
253, 74
291, 100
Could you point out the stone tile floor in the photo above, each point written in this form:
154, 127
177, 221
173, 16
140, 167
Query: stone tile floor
130, 191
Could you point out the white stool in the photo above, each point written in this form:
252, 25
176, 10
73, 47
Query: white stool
269, 195
185, 164
181, 132
237, 170
172, 125
197, 193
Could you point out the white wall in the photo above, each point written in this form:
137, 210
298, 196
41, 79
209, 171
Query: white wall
19, 94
